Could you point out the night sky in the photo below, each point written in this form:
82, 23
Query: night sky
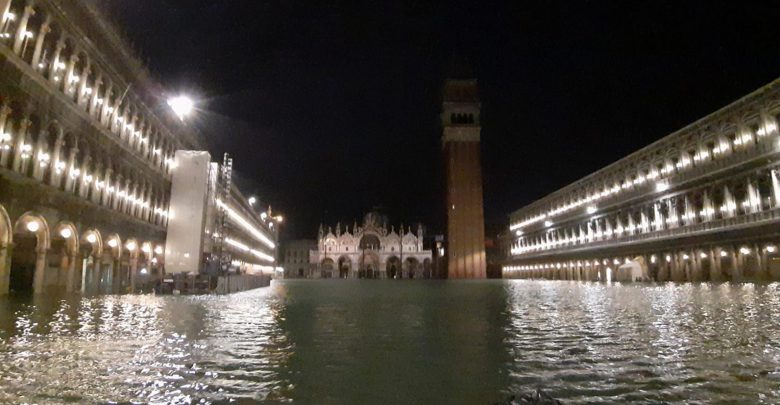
331, 107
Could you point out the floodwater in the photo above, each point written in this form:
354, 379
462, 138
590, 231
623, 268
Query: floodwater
399, 342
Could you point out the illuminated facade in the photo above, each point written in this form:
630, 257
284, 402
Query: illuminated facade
371, 251
700, 204
86, 153
461, 147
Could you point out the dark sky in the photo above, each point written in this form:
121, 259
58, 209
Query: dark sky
331, 107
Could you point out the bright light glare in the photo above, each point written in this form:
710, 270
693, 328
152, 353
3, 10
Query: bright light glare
33, 226
252, 200
661, 187
181, 105
66, 233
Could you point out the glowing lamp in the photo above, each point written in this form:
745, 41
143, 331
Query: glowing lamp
91, 238
66, 233
182, 106
33, 226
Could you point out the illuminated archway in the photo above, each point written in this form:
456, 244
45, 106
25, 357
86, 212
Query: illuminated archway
91, 249
65, 244
28, 260
6, 240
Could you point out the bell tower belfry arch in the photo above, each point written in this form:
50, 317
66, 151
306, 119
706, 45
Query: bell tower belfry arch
460, 120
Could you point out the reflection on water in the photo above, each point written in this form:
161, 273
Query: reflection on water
399, 342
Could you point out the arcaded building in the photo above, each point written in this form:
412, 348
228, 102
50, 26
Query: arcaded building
372, 249
86, 152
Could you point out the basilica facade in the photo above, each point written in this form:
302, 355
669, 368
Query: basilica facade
370, 250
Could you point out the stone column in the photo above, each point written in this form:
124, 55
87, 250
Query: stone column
105, 197
94, 108
83, 185
116, 200
56, 174
21, 30
36, 58
21, 139
70, 73
70, 280
40, 270
97, 192
5, 266
105, 107
133, 271
55, 60
69, 167
82, 97
37, 168
715, 265
736, 266
761, 271
5, 135
5, 7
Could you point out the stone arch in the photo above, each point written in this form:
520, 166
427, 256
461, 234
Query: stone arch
411, 267
344, 266
370, 241
66, 231
114, 244
327, 266
63, 254
92, 239
369, 265
393, 267
28, 260
6, 240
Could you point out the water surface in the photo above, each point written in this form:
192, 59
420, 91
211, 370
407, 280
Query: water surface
399, 342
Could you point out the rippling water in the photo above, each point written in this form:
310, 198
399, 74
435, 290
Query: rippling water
371, 341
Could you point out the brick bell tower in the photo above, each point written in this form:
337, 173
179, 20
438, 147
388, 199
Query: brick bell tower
460, 144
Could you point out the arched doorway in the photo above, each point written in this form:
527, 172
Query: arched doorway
369, 265
427, 270
393, 267
370, 241
345, 266
6, 239
129, 265
62, 255
91, 250
108, 267
28, 260
411, 267
327, 266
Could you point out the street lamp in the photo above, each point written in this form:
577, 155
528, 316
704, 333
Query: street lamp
252, 200
182, 106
